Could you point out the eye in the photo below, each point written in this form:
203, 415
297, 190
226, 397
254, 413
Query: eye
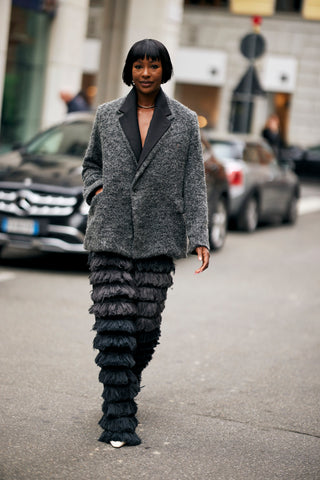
137, 66
155, 66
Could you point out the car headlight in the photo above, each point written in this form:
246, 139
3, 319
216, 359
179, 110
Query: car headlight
84, 208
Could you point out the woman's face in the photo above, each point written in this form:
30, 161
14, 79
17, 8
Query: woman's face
147, 75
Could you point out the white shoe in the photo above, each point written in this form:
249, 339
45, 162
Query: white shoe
117, 444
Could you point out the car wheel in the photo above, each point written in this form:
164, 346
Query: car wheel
218, 225
292, 212
249, 217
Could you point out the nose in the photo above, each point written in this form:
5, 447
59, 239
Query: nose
145, 72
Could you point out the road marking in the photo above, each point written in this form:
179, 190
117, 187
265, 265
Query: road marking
308, 205
4, 276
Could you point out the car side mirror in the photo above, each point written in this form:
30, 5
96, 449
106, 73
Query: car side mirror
286, 163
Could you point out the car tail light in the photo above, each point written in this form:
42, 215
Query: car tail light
235, 177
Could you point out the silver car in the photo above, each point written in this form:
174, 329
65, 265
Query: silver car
261, 188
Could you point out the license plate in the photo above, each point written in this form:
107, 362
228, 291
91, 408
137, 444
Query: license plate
20, 225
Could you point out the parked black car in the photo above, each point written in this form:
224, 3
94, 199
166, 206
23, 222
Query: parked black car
308, 163
41, 202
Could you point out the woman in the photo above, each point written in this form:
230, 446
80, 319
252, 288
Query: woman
144, 181
271, 133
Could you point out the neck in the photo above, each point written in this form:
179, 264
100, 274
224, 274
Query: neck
147, 100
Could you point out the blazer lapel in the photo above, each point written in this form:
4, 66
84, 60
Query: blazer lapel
158, 126
129, 122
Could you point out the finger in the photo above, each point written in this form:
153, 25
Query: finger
200, 258
205, 262
199, 253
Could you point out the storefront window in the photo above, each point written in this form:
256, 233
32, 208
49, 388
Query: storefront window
288, 5
206, 3
24, 78
203, 99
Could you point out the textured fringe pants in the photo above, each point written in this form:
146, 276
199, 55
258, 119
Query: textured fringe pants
128, 299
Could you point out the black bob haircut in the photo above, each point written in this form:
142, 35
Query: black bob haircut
151, 49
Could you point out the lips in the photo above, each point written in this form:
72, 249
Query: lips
145, 84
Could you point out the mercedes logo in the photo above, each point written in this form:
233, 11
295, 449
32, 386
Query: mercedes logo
22, 203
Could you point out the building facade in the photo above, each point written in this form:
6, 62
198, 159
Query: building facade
48, 45
42, 53
288, 70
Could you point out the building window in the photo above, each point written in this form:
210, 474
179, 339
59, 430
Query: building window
288, 5
203, 99
208, 3
25, 75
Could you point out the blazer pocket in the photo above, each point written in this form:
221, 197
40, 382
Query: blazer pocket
94, 201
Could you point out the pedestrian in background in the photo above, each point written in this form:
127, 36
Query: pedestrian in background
271, 133
75, 103
144, 181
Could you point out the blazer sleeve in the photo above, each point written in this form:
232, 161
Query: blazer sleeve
92, 163
195, 192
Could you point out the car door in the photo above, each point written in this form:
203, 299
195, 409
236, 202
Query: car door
259, 175
275, 191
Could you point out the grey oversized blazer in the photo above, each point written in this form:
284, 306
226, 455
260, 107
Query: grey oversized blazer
154, 199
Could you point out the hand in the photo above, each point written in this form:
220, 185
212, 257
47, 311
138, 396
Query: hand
99, 191
203, 256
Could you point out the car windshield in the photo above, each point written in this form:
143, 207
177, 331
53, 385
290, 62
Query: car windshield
66, 139
224, 150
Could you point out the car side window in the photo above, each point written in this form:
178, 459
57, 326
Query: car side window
251, 154
68, 139
47, 142
267, 154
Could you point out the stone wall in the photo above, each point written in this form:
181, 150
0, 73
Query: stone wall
286, 35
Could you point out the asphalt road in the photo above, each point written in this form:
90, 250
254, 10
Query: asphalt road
232, 392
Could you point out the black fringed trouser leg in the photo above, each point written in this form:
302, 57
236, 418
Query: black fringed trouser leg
128, 299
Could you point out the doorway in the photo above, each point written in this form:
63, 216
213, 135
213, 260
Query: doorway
279, 103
